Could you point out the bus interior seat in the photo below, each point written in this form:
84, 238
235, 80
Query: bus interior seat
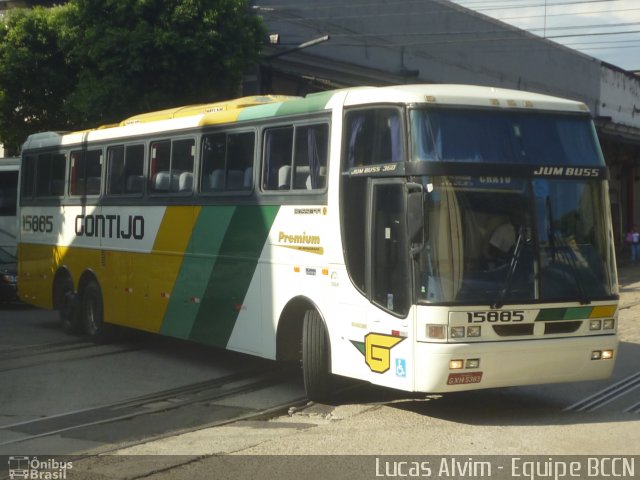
134, 183
185, 182
162, 182
284, 177
248, 178
93, 185
235, 179
302, 178
57, 188
216, 179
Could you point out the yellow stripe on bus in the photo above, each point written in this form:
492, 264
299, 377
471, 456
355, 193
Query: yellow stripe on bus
148, 300
603, 311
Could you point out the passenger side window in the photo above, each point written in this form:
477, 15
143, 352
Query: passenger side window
85, 175
28, 176
227, 162
373, 136
278, 146
125, 170
295, 158
8, 193
310, 157
50, 170
171, 166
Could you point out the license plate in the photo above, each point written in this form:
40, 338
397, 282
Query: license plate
464, 378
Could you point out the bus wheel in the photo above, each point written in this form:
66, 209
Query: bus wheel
68, 304
92, 314
315, 357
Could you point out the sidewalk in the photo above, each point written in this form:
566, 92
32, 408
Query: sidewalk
629, 310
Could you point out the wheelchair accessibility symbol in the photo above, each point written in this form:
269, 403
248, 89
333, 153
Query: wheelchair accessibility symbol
401, 367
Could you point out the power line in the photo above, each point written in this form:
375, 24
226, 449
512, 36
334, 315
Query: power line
531, 5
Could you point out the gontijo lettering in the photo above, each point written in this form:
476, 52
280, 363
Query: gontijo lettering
110, 226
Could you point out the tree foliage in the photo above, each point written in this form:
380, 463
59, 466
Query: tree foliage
92, 62
35, 76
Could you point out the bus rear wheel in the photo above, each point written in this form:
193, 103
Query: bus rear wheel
315, 357
92, 314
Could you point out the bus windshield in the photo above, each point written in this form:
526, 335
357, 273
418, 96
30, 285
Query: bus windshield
463, 135
497, 240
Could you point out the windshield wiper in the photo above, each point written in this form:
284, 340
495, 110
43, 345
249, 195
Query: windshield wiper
567, 252
513, 263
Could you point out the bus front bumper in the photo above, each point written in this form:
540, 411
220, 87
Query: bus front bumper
511, 363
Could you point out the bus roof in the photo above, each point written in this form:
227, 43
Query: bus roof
265, 106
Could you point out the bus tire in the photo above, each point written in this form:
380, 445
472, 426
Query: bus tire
68, 304
92, 314
315, 357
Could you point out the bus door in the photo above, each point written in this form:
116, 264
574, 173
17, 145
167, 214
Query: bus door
389, 253
394, 233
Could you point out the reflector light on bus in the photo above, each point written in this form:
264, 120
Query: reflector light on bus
436, 331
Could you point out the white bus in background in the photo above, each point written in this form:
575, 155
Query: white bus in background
9, 169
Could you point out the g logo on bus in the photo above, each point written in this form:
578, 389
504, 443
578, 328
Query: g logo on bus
377, 350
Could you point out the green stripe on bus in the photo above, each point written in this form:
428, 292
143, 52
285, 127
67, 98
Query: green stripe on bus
260, 111
199, 260
312, 103
550, 314
578, 313
232, 273
575, 313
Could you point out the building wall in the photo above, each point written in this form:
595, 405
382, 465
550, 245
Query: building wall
619, 97
433, 41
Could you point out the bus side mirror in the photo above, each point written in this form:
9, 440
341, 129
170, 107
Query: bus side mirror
415, 217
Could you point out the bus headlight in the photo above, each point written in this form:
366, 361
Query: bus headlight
608, 324
474, 331
457, 332
602, 355
472, 363
595, 324
456, 364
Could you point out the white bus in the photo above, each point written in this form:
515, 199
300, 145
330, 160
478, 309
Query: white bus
9, 170
427, 238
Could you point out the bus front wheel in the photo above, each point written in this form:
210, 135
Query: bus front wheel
315, 357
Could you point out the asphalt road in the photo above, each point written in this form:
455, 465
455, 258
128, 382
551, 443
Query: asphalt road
64, 395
